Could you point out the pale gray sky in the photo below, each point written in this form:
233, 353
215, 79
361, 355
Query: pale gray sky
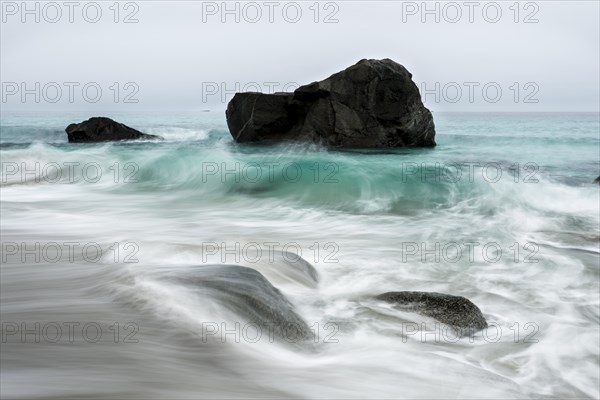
182, 56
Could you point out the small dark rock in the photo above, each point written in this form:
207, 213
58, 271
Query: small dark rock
102, 129
456, 311
597, 180
372, 104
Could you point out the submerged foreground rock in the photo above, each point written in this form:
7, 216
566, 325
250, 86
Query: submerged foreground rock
247, 293
372, 104
456, 311
287, 267
102, 129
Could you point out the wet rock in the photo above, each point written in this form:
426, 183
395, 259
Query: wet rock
300, 267
286, 267
455, 311
249, 294
102, 129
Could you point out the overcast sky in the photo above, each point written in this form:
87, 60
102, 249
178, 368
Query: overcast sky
478, 56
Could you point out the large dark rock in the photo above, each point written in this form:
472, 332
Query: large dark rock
247, 293
371, 104
102, 129
456, 311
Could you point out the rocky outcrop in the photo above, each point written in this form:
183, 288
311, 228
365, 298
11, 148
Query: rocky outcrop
372, 104
102, 129
455, 311
597, 180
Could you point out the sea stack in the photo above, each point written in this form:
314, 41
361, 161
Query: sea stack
102, 129
372, 104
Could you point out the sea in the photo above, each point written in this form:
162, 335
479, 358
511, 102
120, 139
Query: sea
99, 241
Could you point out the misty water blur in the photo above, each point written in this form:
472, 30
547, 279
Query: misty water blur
363, 218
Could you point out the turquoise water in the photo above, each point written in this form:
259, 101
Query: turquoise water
522, 182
